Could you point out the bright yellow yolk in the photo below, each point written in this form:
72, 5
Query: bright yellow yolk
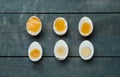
35, 53
85, 28
60, 25
61, 51
33, 24
86, 52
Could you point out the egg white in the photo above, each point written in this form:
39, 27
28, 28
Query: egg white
86, 43
57, 32
34, 33
64, 44
83, 20
35, 45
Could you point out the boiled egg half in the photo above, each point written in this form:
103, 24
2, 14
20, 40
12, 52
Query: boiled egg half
35, 51
85, 26
86, 50
33, 25
61, 50
60, 26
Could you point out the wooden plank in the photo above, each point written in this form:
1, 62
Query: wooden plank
23, 67
61, 6
15, 40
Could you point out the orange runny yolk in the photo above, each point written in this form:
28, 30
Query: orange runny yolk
35, 53
60, 25
33, 24
85, 28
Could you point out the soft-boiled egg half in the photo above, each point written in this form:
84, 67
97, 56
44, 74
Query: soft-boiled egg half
61, 50
60, 26
35, 51
34, 25
85, 26
86, 50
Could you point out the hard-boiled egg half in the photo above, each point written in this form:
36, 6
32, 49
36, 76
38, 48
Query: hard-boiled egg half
35, 51
86, 50
33, 25
61, 50
85, 26
60, 26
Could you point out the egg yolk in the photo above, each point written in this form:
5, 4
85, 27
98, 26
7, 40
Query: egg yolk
85, 28
86, 52
60, 25
35, 53
61, 51
33, 24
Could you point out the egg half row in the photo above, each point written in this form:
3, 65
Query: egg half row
61, 50
60, 26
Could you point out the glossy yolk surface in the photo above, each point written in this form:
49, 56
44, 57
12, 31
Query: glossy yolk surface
86, 52
35, 53
60, 25
33, 24
85, 28
61, 51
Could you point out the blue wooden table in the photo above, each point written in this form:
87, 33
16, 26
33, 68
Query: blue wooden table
14, 40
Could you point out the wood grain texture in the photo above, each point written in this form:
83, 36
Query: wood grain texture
61, 6
15, 40
72, 67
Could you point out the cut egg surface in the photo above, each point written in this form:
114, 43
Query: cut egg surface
34, 25
85, 26
61, 50
60, 26
86, 50
35, 51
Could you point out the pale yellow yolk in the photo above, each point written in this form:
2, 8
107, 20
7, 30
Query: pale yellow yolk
60, 25
86, 52
35, 53
85, 28
33, 24
61, 51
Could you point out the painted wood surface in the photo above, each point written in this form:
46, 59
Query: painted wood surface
61, 6
49, 66
14, 40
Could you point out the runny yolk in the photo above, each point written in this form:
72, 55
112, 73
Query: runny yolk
85, 28
61, 51
33, 24
86, 52
35, 53
60, 25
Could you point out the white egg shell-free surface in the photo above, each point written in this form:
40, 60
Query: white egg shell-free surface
57, 32
35, 45
64, 44
34, 33
86, 43
83, 20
